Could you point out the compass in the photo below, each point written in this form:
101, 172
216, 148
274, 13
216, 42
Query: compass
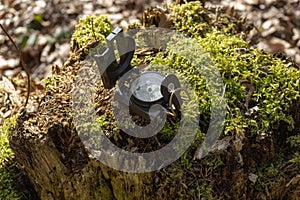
146, 89
137, 90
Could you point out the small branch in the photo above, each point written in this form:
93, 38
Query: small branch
22, 64
94, 30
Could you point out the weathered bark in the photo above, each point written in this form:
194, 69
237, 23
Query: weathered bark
82, 178
48, 147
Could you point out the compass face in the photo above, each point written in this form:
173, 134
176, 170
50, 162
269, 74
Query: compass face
147, 86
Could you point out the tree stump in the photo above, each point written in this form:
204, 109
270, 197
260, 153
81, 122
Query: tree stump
48, 147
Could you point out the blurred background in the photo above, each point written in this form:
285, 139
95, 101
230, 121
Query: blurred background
43, 28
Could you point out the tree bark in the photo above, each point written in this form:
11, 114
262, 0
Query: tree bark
51, 153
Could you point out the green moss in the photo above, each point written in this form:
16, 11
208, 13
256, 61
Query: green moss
51, 81
276, 83
7, 127
294, 141
91, 28
135, 61
7, 163
260, 90
191, 18
7, 184
276, 86
194, 20
103, 122
134, 26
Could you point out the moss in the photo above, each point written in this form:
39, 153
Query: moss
182, 183
294, 142
191, 18
134, 26
7, 162
260, 90
7, 127
194, 20
51, 81
7, 183
91, 28
275, 85
104, 123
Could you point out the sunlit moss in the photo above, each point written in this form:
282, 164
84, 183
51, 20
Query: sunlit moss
259, 88
275, 85
51, 81
7, 164
91, 28
191, 18
7, 127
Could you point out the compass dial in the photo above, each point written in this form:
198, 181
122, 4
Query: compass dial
147, 86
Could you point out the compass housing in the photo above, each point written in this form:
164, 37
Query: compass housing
145, 89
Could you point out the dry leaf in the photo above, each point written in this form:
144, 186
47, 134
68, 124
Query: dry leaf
7, 85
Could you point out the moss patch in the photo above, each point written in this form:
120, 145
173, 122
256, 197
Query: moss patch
7, 162
7, 127
90, 28
7, 183
260, 91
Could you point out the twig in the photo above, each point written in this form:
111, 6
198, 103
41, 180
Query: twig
94, 30
22, 64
